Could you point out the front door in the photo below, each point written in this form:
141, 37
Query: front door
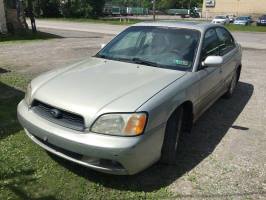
211, 78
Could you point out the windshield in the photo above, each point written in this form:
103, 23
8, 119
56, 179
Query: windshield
163, 47
220, 17
242, 18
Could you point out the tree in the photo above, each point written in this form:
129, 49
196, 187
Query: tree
97, 7
50, 8
166, 4
15, 18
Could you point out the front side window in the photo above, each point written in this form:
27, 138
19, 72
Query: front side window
164, 47
210, 44
227, 42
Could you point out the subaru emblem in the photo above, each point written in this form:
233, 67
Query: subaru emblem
55, 113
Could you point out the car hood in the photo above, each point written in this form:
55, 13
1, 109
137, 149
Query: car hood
99, 86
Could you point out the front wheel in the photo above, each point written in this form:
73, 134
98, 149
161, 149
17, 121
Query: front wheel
171, 137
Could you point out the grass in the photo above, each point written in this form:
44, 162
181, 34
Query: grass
102, 20
231, 27
28, 172
26, 37
251, 28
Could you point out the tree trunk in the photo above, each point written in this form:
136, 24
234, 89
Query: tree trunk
3, 28
15, 16
21, 14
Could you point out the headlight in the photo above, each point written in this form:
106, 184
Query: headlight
28, 95
120, 124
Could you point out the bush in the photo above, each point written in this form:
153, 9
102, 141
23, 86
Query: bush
77, 8
50, 8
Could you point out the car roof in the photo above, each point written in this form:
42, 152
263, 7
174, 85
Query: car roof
200, 26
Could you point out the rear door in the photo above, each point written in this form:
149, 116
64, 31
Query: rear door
228, 51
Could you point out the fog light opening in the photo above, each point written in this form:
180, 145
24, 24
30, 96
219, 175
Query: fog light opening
90, 160
102, 162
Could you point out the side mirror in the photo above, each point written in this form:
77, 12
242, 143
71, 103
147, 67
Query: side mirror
213, 61
103, 45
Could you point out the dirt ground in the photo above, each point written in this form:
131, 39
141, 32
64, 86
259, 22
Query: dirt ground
36, 57
224, 157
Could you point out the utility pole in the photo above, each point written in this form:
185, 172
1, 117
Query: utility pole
153, 9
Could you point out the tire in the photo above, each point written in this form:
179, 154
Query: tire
171, 137
232, 85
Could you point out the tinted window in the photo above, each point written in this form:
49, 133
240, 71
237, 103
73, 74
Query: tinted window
210, 44
226, 41
242, 18
220, 17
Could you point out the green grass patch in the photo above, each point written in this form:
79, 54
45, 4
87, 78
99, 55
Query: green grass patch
28, 172
251, 28
26, 37
123, 20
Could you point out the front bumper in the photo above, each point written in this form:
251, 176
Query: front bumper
104, 153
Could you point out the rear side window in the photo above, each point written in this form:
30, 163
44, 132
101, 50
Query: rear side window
226, 41
210, 44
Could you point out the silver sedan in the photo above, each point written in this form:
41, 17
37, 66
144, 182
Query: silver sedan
124, 109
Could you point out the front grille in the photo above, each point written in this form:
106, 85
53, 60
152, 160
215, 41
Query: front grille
65, 118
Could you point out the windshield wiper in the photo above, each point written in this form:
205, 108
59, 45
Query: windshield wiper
111, 58
145, 62
100, 56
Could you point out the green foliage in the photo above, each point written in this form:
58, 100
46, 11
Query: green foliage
97, 6
82, 8
77, 8
160, 4
166, 4
67, 8
50, 8
93, 8
132, 3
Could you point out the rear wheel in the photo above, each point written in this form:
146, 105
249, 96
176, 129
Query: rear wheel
171, 137
232, 85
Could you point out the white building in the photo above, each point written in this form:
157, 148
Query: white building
3, 28
254, 8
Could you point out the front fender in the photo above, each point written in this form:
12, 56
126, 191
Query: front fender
162, 105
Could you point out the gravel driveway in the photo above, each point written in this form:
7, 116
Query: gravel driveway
224, 157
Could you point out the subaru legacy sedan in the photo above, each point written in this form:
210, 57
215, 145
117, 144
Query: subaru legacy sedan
125, 108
